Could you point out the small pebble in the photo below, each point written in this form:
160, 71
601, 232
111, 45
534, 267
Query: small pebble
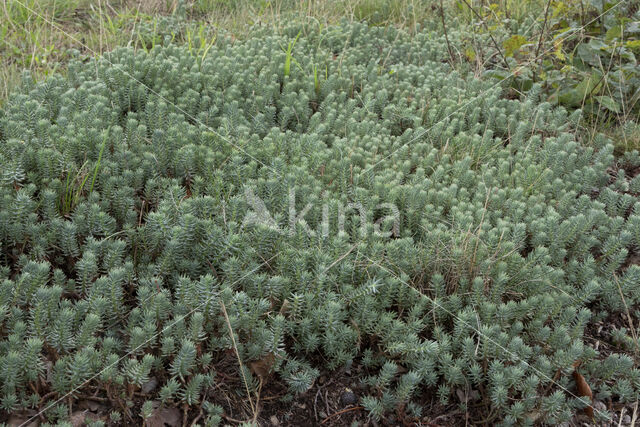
626, 420
348, 398
274, 420
149, 386
598, 405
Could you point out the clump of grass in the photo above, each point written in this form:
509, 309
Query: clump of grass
37, 34
380, 12
626, 136
289, 58
74, 186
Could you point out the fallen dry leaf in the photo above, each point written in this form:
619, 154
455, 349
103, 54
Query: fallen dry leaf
82, 418
583, 390
162, 416
149, 386
262, 368
78, 418
22, 419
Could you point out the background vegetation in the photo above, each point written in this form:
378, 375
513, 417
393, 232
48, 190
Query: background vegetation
584, 52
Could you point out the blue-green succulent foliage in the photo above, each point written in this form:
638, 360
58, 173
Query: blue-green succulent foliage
124, 242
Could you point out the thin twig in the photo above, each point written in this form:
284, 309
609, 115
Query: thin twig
634, 418
234, 420
355, 408
544, 25
235, 348
495, 43
196, 419
446, 35
629, 319
340, 258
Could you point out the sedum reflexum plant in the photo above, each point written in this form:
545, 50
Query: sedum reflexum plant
163, 215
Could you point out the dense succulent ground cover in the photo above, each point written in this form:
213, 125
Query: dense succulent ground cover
303, 203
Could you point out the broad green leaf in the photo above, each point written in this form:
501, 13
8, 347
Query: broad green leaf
597, 44
570, 98
626, 54
513, 43
597, 4
523, 85
609, 103
558, 50
497, 74
589, 86
588, 54
635, 98
614, 32
591, 107
564, 33
633, 44
470, 53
